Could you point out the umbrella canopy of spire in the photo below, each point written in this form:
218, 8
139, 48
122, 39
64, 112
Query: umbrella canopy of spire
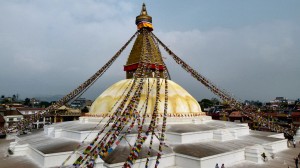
144, 20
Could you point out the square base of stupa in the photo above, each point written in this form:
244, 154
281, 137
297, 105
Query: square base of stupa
191, 142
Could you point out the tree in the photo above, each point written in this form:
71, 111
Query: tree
85, 110
14, 97
253, 102
27, 101
206, 103
2, 99
284, 104
215, 101
6, 100
44, 104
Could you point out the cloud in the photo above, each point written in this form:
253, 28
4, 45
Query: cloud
254, 62
50, 47
57, 45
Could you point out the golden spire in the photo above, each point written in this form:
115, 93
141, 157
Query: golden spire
144, 20
144, 10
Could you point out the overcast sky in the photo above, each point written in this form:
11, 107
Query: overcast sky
249, 48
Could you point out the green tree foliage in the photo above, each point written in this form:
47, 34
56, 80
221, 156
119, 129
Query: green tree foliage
206, 103
254, 102
44, 104
27, 101
14, 98
85, 110
215, 101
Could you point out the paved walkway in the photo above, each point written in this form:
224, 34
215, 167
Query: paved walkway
283, 159
8, 161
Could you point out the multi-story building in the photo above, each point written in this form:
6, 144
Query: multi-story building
34, 102
11, 116
13, 113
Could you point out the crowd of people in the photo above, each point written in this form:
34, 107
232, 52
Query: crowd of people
217, 166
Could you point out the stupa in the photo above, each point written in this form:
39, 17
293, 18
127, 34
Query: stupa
181, 103
192, 138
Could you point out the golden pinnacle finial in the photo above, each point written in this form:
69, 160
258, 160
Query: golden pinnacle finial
144, 10
144, 20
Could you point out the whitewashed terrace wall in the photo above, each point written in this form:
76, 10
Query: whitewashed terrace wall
276, 146
206, 162
80, 135
44, 160
170, 120
180, 138
166, 160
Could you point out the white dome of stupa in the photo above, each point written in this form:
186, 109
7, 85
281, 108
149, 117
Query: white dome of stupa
180, 102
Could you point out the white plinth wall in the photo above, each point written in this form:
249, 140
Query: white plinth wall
250, 153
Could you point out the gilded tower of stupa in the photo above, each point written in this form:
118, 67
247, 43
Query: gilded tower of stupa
180, 102
143, 21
